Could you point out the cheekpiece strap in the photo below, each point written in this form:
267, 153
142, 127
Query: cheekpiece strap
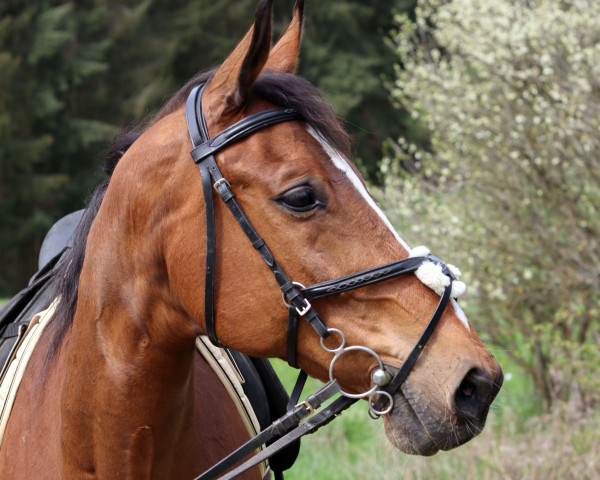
203, 153
408, 364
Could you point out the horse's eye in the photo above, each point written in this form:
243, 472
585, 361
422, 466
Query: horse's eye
301, 199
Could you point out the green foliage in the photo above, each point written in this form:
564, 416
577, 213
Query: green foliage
345, 54
509, 92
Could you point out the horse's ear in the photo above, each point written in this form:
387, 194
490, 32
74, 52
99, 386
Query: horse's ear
228, 90
284, 55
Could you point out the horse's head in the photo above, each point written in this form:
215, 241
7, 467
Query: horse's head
309, 204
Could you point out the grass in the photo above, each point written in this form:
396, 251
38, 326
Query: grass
518, 443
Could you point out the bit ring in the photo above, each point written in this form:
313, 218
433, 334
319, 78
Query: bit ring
340, 351
375, 414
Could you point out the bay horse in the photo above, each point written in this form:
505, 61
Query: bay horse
116, 388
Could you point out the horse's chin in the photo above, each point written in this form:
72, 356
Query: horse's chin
405, 431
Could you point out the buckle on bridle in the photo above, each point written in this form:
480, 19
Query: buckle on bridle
310, 409
301, 310
304, 310
219, 182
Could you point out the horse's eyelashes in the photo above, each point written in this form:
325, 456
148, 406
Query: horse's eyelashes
301, 199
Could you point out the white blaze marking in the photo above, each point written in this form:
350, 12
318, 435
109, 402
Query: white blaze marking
342, 164
460, 314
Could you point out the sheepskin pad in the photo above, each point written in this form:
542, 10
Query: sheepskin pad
431, 274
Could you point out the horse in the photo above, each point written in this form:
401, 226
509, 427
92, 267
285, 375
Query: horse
116, 388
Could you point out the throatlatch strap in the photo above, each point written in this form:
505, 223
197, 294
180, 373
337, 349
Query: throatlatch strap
211, 247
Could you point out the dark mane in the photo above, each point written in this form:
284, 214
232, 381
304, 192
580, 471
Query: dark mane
283, 90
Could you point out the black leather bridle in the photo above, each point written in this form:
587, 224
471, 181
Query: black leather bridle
296, 296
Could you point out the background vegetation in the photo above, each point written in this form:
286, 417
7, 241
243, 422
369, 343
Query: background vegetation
497, 169
518, 443
510, 185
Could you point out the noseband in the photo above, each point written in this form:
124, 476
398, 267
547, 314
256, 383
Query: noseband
296, 296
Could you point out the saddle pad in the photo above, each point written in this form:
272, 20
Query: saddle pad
225, 368
17, 362
217, 358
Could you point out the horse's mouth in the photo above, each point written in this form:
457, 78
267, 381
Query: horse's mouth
405, 430
421, 425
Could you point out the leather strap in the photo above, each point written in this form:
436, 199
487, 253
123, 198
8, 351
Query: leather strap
211, 248
241, 129
362, 278
277, 429
410, 361
297, 390
310, 426
203, 154
292, 337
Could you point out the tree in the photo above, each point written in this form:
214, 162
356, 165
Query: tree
510, 93
52, 59
345, 53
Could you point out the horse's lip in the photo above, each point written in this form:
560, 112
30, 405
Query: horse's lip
408, 396
401, 400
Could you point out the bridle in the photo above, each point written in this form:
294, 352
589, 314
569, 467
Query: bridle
297, 297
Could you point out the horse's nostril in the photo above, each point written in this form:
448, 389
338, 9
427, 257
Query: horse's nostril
474, 395
467, 389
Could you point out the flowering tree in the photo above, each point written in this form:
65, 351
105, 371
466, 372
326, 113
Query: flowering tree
510, 93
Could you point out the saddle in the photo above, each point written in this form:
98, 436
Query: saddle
268, 398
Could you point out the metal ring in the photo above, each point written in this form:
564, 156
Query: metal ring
298, 284
373, 416
342, 344
377, 413
339, 353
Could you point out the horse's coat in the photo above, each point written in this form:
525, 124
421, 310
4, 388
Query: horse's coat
341, 163
128, 394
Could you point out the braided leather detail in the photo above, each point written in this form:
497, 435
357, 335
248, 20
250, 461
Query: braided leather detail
341, 287
363, 278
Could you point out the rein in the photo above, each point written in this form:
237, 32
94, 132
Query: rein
295, 296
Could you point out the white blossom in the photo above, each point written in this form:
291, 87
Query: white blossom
510, 183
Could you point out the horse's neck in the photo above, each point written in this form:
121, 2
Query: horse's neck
128, 392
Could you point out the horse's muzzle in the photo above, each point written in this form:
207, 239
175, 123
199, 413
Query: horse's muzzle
423, 424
